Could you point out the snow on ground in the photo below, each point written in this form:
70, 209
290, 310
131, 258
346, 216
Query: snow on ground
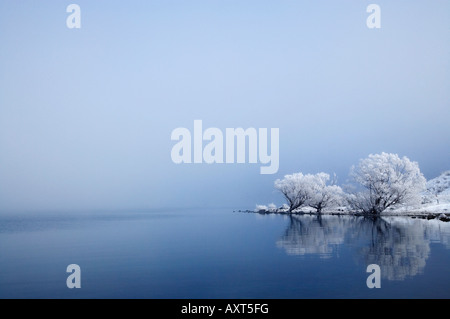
429, 208
441, 205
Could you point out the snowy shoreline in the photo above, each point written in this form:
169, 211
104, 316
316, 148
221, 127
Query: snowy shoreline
427, 211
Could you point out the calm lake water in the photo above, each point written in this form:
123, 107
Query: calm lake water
222, 254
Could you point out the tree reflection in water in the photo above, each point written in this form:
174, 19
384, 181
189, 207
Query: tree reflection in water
399, 245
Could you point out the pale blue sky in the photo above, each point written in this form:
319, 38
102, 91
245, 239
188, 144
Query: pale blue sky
86, 115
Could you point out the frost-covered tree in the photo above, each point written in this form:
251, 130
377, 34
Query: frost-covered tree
323, 193
313, 190
387, 180
295, 189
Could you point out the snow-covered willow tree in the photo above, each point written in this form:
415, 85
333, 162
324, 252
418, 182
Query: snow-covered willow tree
309, 190
387, 180
294, 189
324, 193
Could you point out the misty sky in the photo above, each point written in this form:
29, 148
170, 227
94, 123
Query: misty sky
86, 114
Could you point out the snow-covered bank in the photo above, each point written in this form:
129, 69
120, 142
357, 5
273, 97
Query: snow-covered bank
425, 209
443, 215
440, 211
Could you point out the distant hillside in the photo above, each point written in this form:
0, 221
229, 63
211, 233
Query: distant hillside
439, 185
